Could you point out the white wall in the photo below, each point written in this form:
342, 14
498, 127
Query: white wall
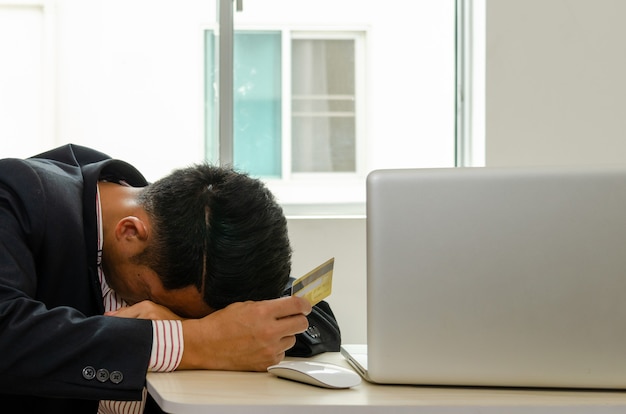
314, 241
555, 82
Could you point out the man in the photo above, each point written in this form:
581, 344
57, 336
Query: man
104, 277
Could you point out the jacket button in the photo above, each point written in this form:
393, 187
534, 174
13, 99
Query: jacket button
116, 377
102, 375
89, 373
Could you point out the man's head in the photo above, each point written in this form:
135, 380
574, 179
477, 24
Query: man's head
218, 230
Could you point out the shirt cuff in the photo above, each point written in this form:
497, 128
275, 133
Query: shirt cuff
167, 345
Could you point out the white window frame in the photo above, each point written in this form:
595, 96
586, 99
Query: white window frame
470, 87
358, 35
323, 193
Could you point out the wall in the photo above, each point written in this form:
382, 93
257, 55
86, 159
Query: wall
314, 241
555, 82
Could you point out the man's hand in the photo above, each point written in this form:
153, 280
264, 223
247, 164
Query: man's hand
145, 310
245, 336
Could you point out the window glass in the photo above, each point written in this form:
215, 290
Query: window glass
323, 106
257, 102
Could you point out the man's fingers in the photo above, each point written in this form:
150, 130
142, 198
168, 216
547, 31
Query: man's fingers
293, 324
287, 342
127, 312
291, 305
145, 310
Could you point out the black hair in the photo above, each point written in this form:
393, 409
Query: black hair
220, 230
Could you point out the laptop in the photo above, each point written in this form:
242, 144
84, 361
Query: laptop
511, 277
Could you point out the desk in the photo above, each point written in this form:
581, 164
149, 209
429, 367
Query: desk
225, 392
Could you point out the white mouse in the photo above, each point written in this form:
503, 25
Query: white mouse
322, 374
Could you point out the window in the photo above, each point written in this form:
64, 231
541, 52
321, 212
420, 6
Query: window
258, 102
325, 92
304, 121
323, 105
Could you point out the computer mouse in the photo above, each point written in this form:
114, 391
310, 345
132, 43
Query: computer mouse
321, 374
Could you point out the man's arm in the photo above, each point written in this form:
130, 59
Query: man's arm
245, 336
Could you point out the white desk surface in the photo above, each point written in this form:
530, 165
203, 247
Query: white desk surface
225, 392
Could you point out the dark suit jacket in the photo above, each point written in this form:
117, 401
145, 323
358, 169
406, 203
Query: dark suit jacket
55, 345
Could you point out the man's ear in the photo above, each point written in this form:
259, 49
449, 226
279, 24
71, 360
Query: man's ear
131, 227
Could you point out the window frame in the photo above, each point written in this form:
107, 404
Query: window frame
359, 37
320, 192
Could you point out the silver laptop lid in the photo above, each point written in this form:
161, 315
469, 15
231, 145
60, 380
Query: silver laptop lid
513, 277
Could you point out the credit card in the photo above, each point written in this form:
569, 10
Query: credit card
315, 285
